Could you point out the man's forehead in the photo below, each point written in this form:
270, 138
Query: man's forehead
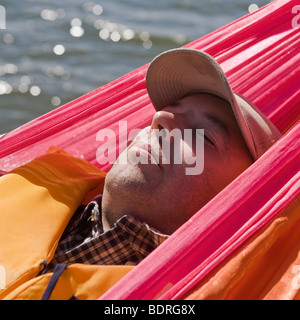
199, 97
205, 102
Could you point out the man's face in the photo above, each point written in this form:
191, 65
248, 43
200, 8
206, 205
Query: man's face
162, 194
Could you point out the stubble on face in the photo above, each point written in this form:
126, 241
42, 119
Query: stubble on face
164, 196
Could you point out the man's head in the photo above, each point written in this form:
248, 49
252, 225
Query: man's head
189, 91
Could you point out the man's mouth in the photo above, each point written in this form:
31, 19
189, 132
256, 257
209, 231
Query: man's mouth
145, 154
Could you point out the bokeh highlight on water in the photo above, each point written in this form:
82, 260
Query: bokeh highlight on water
55, 51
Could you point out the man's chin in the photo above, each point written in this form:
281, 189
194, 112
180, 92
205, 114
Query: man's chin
132, 178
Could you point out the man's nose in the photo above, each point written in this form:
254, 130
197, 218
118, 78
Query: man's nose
164, 120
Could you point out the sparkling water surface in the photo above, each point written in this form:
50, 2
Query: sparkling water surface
52, 52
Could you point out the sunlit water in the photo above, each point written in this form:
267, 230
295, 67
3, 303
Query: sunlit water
55, 51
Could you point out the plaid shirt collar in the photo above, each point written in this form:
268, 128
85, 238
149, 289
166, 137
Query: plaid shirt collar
84, 241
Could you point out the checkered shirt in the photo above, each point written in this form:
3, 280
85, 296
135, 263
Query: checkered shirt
84, 241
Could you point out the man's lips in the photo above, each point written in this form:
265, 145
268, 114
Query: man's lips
153, 158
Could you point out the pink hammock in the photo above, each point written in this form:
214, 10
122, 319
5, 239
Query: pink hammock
260, 55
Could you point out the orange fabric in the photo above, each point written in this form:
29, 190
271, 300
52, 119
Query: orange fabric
37, 200
85, 282
268, 267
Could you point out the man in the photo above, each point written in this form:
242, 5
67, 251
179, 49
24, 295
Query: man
144, 203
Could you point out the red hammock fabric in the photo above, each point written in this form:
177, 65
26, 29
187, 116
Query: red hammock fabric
260, 55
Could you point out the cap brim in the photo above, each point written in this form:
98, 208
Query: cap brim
179, 72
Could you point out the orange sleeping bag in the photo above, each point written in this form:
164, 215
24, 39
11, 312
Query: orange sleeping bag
37, 201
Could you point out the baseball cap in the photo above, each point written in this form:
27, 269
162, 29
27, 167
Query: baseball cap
177, 73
